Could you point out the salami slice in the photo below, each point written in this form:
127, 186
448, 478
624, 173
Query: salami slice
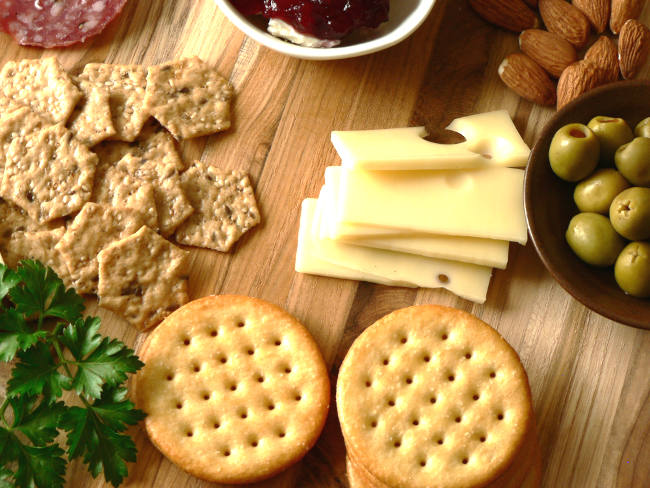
56, 23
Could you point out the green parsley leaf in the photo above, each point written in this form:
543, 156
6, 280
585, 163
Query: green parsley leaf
16, 335
37, 373
42, 467
43, 293
38, 424
99, 361
94, 433
8, 279
6, 477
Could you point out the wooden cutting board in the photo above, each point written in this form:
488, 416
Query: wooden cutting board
589, 375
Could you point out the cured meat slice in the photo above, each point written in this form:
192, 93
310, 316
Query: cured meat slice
56, 23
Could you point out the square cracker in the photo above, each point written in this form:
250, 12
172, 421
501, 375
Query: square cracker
90, 121
126, 87
38, 245
48, 173
189, 98
224, 207
115, 186
13, 219
153, 143
17, 123
94, 228
172, 204
40, 84
143, 277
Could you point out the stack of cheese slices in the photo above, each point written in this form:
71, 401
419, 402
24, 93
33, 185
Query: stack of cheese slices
407, 212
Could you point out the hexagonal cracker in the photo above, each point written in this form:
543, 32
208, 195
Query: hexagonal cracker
48, 173
93, 229
224, 207
41, 84
90, 121
143, 277
189, 98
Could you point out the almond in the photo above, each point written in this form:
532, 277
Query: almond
565, 20
633, 48
597, 11
513, 15
622, 11
550, 51
604, 53
577, 79
528, 79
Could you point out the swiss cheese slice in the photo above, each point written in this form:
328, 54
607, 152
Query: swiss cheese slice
491, 139
486, 203
465, 280
485, 252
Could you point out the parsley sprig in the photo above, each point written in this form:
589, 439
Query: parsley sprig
54, 348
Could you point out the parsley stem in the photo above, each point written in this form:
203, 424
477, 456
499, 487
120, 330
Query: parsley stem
64, 362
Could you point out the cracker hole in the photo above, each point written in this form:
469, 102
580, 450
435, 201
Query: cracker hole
254, 444
433, 400
444, 336
282, 434
250, 352
403, 340
426, 358
443, 278
409, 380
223, 359
233, 387
451, 377
440, 441
385, 362
179, 405
287, 370
240, 324
493, 374
206, 396
468, 355
475, 397
216, 425
277, 342
397, 444
226, 453
458, 419
186, 341
170, 377
423, 463
190, 433
213, 333
368, 383
243, 415
482, 438
270, 406
373, 424
260, 379
465, 461
391, 403
196, 368
416, 422
298, 397
500, 416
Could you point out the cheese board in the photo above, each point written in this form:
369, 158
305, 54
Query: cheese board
587, 374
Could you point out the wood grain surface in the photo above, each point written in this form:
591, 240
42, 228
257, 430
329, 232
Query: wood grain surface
589, 376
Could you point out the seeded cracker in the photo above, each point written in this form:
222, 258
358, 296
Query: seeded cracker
91, 120
224, 204
143, 277
94, 228
153, 143
235, 389
172, 205
126, 86
14, 220
48, 173
40, 84
116, 187
189, 98
17, 123
40, 246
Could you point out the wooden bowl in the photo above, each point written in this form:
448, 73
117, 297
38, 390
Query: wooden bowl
549, 206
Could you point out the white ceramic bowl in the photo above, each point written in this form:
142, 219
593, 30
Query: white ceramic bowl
404, 18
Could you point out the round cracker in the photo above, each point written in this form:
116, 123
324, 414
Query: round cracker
235, 389
433, 393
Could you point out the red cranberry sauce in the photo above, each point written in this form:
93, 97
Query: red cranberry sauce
324, 19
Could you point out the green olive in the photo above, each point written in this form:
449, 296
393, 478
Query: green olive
633, 161
632, 269
630, 213
642, 129
612, 132
574, 152
595, 194
593, 239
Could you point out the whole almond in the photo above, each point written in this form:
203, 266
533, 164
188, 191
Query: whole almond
513, 15
604, 53
622, 11
577, 79
565, 20
528, 79
550, 51
597, 11
633, 48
